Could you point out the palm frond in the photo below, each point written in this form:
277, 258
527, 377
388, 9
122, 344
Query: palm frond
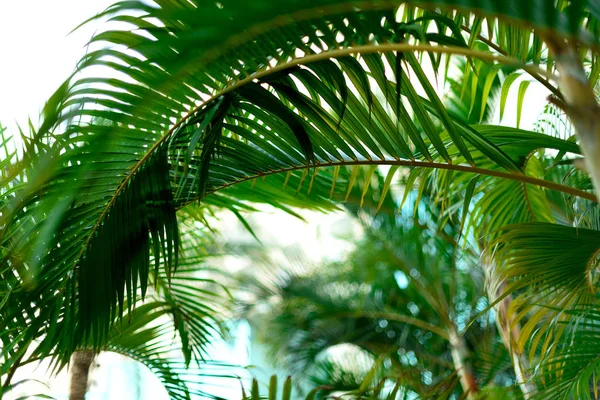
146, 338
550, 269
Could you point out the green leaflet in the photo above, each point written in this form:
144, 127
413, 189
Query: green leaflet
413, 175
142, 218
356, 73
255, 393
337, 80
489, 80
355, 170
442, 113
520, 97
467, 202
505, 88
287, 389
386, 186
261, 97
367, 183
273, 388
207, 119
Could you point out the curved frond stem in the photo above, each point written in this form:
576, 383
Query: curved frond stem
527, 202
400, 318
11, 373
434, 165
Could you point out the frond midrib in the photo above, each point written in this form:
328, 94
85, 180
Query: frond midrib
525, 179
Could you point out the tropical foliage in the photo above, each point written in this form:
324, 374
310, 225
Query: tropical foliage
403, 295
217, 105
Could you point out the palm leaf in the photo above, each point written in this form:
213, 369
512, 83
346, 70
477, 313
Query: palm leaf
554, 285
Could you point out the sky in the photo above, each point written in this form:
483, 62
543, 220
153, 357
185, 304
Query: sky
37, 52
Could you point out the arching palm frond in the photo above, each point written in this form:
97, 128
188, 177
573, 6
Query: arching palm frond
171, 332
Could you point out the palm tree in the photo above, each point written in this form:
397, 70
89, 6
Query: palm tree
227, 102
404, 294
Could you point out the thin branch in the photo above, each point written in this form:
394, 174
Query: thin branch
399, 318
11, 372
426, 164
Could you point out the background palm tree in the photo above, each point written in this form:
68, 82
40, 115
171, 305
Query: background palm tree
403, 295
228, 102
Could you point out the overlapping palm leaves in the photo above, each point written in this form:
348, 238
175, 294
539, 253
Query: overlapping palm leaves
209, 97
303, 312
171, 332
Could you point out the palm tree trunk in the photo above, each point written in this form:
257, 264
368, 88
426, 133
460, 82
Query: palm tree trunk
81, 363
580, 105
509, 331
460, 357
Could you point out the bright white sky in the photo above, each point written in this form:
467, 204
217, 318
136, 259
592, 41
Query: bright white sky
37, 52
